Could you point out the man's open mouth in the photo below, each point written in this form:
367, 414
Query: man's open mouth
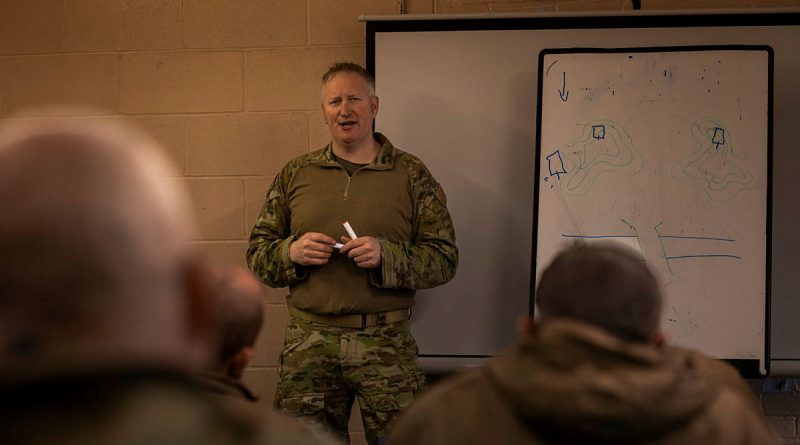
347, 124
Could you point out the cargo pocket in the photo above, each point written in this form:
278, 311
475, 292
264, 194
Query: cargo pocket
389, 402
406, 350
378, 411
294, 337
310, 405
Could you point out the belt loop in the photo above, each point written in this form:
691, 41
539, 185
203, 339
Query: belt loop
381, 316
363, 321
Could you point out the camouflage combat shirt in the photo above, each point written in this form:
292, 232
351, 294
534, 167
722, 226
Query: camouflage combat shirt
394, 199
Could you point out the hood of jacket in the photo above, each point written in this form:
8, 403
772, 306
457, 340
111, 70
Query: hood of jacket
577, 382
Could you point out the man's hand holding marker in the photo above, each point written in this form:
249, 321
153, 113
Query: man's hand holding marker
365, 251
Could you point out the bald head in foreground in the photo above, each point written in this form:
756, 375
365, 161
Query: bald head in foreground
592, 369
103, 308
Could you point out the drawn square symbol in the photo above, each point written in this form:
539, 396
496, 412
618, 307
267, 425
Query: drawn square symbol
719, 136
599, 131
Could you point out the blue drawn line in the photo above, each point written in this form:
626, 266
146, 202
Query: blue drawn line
560, 169
663, 248
567, 235
719, 137
703, 256
563, 93
698, 237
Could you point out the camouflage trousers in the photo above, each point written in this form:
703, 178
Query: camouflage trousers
324, 368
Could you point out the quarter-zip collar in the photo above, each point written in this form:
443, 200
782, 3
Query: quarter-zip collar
384, 160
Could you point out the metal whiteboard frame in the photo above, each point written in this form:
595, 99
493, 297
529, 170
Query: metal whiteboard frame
747, 367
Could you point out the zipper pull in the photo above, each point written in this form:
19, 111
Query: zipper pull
346, 188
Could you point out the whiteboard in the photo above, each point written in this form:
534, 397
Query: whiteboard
461, 93
665, 150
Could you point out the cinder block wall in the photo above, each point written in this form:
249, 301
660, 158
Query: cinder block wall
231, 88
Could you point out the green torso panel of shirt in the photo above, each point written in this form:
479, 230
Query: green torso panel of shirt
377, 202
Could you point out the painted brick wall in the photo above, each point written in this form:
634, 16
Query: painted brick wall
231, 89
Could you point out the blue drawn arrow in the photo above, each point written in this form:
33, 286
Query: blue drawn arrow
563, 93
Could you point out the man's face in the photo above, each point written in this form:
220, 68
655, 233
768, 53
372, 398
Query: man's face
349, 109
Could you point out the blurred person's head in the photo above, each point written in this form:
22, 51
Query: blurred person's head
236, 297
94, 259
606, 285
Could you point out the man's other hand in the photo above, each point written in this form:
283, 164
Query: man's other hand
364, 250
311, 249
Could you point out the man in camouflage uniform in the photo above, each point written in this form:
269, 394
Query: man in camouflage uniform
348, 334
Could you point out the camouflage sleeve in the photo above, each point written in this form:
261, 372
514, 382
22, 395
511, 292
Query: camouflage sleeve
268, 251
431, 258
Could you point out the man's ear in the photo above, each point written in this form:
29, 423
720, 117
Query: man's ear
526, 327
197, 297
239, 362
658, 338
198, 315
247, 354
375, 102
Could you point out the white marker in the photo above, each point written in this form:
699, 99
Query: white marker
349, 230
338, 246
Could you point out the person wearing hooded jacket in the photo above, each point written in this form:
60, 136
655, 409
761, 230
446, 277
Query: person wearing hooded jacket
593, 368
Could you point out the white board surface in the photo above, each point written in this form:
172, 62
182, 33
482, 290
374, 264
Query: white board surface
665, 151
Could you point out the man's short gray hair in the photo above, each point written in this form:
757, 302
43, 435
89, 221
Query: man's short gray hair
349, 67
606, 285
